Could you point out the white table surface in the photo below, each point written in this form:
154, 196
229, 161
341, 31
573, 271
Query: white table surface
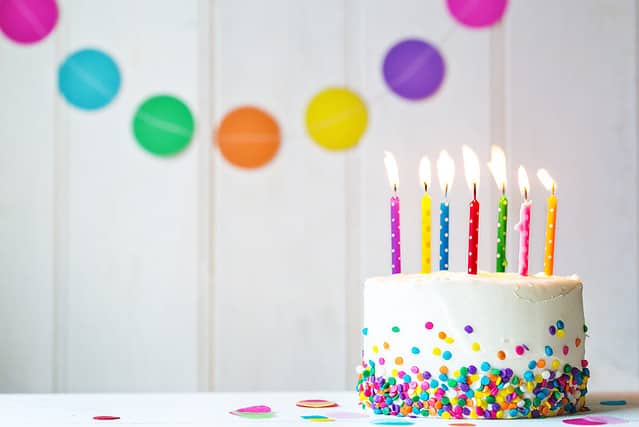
212, 409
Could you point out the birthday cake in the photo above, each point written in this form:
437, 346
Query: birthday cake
491, 345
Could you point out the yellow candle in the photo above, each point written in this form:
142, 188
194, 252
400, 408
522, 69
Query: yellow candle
426, 240
424, 177
551, 221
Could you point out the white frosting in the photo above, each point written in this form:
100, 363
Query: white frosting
505, 310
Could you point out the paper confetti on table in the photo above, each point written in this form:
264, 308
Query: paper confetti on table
253, 415
106, 417
462, 424
315, 403
256, 408
255, 412
318, 418
613, 402
586, 421
392, 422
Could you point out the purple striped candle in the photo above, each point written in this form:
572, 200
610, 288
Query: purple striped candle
396, 257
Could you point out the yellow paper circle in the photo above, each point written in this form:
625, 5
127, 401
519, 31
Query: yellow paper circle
336, 118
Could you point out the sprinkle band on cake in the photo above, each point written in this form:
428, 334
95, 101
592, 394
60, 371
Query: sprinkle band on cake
473, 346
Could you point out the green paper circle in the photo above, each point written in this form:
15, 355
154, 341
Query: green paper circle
163, 125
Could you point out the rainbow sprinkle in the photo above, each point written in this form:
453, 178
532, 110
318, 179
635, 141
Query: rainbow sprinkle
469, 393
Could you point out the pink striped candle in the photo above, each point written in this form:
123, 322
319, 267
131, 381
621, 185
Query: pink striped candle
524, 223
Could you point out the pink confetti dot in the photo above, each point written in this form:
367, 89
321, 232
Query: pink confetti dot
519, 350
429, 325
28, 21
565, 350
477, 13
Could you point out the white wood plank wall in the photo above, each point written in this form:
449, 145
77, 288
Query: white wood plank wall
120, 271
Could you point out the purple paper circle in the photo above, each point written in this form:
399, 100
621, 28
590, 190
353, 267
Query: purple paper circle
413, 69
28, 21
477, 13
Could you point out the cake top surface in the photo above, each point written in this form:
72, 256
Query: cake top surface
536, 287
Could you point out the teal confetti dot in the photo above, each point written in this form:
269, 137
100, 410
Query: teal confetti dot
395, 329
414, 350
447, 355
548, 350
365, 331
89, 79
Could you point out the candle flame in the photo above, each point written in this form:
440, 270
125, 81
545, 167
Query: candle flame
524, 184
471, 167
497, 166
445, 171
391, 170
546, 180
424, 172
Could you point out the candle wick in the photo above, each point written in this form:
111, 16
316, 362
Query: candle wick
553, 189
503, 189
395, 188
525, 194
474, 191
425, 187
446, 190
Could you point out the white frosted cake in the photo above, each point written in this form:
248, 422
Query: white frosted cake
454, 345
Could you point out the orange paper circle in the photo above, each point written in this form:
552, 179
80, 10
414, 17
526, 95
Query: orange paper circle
248, 137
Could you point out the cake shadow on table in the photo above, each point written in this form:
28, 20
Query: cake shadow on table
490, 346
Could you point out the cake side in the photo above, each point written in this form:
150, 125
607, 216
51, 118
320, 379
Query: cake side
492, 345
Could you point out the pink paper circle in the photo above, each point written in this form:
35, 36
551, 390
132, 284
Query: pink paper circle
583, 422
257, 409
28, 21
477, 13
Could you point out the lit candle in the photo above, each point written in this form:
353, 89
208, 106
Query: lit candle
445, 173
424, 177
551, 220
524, 222
393, 180
471, 170
497, 166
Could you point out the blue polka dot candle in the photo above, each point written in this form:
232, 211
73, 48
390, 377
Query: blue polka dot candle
393, 180
446, 173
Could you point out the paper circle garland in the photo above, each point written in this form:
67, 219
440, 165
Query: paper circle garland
336, 118
163, 125
28, 21
477, 13
89, 79
413, 69
248, 137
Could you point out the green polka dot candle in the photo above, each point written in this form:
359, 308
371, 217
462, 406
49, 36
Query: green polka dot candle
497, 166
